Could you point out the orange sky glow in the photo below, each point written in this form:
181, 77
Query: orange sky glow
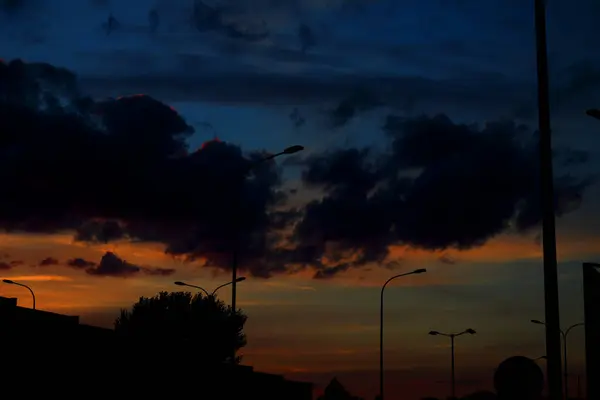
311, 329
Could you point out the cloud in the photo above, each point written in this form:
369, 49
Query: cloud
447, 259
442, 186
40, 278
277, 88
80, 263
158, 271
113, 265
120, 169
4, 266
48, 261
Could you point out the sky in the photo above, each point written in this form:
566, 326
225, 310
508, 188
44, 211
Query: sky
247, 80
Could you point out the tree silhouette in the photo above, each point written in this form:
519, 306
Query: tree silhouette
201, 325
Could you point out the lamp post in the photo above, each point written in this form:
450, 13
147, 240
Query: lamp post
565, 335
452, 336
8, 281
416, 271
234, 257
179, 283
551, 301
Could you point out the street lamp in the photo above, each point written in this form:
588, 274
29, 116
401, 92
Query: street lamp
551, 300
234, 259
416, 271
452, 336
565, 335
540, 358
8, 281
179, 283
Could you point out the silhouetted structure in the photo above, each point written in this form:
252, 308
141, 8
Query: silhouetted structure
336, 391
591, 296
201, 324
519, 378
43, 349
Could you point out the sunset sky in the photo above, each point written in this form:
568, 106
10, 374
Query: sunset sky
470, 61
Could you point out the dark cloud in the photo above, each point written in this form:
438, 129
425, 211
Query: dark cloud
222, 20
4, 266
80, 263
297, 118
48, 261
443, 185
16, 263
306, 37
158, 271
114, 266
359, 101
121, 169
447, 259
10, 6
263, 87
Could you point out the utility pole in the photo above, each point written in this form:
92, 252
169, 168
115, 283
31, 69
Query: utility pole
551, 298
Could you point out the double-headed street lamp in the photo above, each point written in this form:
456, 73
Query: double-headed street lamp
565, 335
416, 271
9, 282
452, 336
211, 294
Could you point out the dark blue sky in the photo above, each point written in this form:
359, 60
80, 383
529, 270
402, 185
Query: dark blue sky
473, 60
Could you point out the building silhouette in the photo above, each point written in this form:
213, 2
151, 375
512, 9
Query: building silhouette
591, 299
47, 354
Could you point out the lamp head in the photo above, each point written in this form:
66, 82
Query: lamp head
471, 331
8, 281
241, 279
419, 271
434, 333
178, 283
293, 149
537, 321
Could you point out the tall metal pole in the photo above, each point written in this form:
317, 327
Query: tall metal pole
381, 345
565, 335
234, 258
453, 378
551, 300
417, 271
565, 368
